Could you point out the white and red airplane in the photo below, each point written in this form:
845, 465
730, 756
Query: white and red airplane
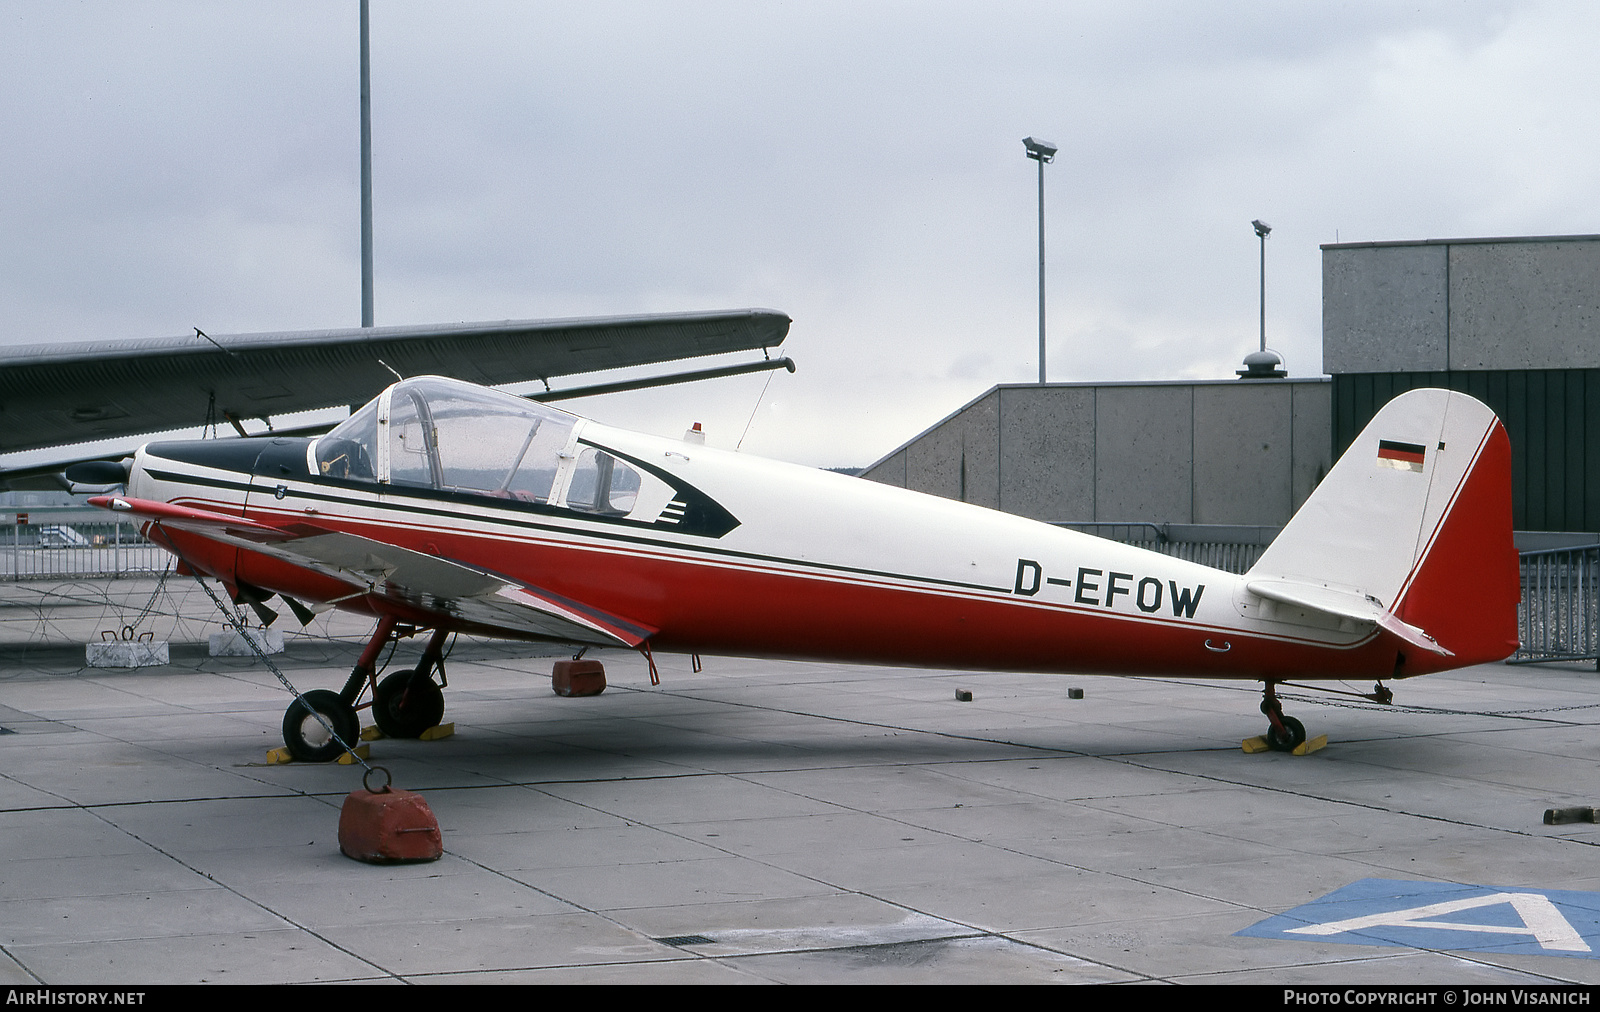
446, 506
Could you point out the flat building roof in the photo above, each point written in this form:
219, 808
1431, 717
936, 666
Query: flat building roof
1462, 242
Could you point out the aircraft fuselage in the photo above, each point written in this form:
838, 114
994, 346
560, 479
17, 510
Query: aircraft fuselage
722, 553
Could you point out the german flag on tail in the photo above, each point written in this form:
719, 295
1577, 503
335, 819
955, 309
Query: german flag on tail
1400, 456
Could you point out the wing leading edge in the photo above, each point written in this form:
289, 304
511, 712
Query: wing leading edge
71, 393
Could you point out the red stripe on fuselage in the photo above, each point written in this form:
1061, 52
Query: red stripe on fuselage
715, 604
1408, 456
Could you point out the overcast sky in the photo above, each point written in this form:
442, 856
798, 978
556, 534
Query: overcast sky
857, 165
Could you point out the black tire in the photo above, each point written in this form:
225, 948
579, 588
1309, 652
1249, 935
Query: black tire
308, 740
404, 706
1296, 735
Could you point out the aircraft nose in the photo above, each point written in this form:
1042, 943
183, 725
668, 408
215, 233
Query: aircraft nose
137, 480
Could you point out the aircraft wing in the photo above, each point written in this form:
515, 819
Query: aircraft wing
72, 393
386, 572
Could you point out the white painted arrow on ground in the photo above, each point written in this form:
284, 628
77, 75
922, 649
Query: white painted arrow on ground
1540, 918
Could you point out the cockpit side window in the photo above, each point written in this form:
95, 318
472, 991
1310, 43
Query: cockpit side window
348, 451
413, 456
442, 434
509, 449
603, 484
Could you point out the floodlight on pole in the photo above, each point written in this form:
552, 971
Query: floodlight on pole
1042, 152
1263, 364
1263, 230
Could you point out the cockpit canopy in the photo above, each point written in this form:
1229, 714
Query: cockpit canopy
436, 433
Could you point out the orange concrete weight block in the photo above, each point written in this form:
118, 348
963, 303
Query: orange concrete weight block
579, 678
388, 827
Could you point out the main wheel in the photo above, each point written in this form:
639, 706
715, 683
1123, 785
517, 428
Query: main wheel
307, 738
404, 705
1296, 735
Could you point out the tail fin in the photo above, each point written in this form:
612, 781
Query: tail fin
1415, 520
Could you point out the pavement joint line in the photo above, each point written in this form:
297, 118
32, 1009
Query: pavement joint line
1123, 758
1509, 715
436, 975
1369, 806
691, 956
1126, 758
1011, 850
286, 791
1129, 760
1301, 697
683, 694
6, 950
1446, 711
180, 862
976, 929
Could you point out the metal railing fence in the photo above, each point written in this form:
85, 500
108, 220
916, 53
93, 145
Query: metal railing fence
1231, 547
1559, 618
60, 542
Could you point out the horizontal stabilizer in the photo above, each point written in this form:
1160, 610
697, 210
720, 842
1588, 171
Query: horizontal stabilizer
1318, 597
1343, 604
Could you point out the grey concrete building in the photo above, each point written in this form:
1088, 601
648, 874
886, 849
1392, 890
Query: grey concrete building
1513, 321
1209, 452
1453, 305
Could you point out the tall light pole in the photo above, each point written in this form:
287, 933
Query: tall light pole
1041, 152
1263, 230
366, 175
1263, 364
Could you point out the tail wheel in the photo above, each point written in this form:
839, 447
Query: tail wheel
1290, 738
308, 739
407, 703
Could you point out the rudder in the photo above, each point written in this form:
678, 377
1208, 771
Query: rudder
1416, 518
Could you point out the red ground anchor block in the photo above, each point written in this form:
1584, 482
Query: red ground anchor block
387, 827
579, 678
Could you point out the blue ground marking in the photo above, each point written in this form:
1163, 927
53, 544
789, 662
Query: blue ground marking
1445, 915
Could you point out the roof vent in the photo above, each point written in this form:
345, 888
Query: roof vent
1263, 365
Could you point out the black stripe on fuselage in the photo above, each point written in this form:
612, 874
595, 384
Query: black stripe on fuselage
282, 458
262, 455
369, 501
